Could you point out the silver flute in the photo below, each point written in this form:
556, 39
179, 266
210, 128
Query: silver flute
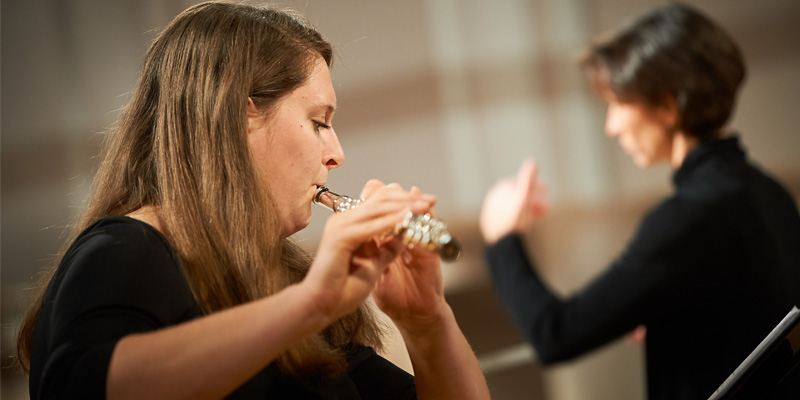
415, 230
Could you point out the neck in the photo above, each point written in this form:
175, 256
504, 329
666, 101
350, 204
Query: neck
151, 216
682, 144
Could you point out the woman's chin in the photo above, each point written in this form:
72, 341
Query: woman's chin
297, 227
643, 162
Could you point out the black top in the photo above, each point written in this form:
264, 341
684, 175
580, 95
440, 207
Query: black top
121, 276
710, 272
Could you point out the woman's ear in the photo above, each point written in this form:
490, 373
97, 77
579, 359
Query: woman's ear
251, 107
253, 116
668, 113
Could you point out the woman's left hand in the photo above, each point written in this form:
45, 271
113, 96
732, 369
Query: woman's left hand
410, 291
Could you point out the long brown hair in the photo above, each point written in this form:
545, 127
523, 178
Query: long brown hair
181, 146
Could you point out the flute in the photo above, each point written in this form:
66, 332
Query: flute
415, 230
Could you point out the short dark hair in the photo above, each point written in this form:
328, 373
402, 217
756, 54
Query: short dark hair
672, 51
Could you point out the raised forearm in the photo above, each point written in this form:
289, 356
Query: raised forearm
445, 367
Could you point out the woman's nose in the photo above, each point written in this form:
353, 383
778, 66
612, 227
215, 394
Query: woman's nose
333, 155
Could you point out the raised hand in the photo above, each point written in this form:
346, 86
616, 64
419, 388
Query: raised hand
513, 203
354, 251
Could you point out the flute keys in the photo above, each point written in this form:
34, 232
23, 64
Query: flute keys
344, 203
425, 232
415, 230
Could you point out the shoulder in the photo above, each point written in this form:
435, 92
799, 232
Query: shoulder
675, 228
120, 261
729, 187
707, 206
121, 232
120, 241
678, 213
120, 249
721, 173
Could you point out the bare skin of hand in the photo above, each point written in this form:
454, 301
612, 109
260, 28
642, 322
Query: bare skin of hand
512, 204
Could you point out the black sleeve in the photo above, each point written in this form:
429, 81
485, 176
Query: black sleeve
377, 378
119, 279
641, 283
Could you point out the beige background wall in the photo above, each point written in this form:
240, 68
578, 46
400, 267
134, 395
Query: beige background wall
448, 95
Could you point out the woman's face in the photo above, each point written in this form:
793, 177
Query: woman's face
295, 147
645, 133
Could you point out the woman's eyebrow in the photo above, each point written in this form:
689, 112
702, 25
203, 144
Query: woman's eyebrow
329, 109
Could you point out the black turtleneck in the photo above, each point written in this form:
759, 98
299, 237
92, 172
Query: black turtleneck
710, 271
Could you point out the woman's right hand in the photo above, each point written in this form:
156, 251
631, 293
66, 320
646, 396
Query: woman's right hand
513, 203
351, 256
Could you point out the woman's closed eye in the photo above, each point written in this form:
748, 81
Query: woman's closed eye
319, 125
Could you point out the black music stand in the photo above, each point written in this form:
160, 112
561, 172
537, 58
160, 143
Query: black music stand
772, 370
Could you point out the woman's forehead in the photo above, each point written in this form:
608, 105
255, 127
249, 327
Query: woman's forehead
317, 92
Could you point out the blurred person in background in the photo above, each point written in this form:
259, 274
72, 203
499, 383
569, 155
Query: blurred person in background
180, 280
713, 267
